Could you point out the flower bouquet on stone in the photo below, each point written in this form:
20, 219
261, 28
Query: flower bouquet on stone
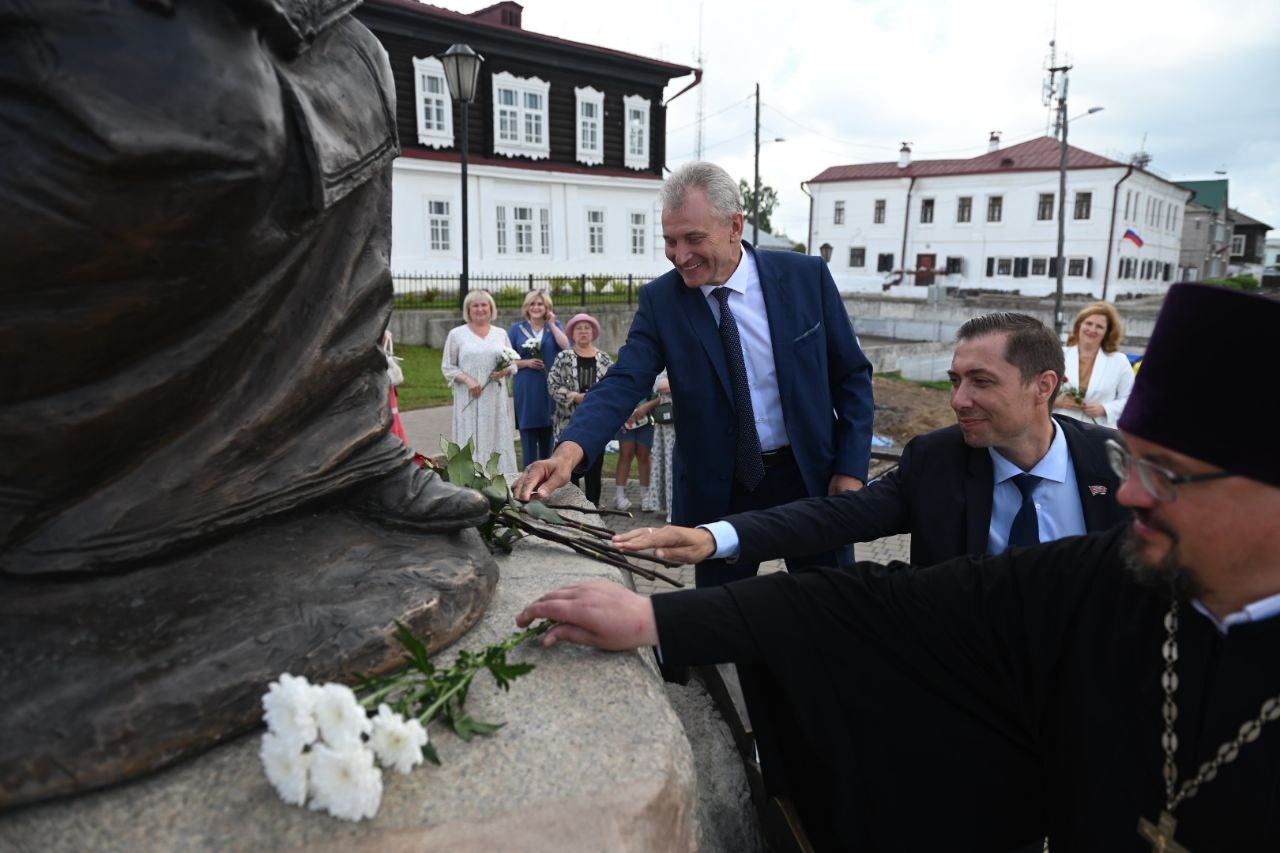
323, 747
511, 520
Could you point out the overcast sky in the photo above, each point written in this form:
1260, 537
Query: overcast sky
848, 82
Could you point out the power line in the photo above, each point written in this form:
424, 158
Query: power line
713, 115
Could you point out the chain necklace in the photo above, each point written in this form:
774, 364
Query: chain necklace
1161, 833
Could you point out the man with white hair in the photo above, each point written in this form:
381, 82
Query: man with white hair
1111, 692
772, 395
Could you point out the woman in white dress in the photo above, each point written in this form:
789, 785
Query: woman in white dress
481, 407
1098, 376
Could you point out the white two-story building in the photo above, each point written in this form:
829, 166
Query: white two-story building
991, 223
566, 148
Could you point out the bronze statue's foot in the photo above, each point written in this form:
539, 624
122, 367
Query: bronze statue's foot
414, 498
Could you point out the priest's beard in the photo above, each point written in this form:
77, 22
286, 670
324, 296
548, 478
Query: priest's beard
1169, 573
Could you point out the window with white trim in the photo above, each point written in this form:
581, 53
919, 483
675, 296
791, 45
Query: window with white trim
1044, 208
437, 225
590, 103
926, 210
635, 111
1083, 205
995, 208
878, 216
516, 227
431, 98
595, 231
964, 208
857, 256
520, 116
639, 232
1237, 244
837, 214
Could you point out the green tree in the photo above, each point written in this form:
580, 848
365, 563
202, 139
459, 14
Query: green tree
768, 203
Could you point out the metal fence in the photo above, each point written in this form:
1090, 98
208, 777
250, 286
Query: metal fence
419, 291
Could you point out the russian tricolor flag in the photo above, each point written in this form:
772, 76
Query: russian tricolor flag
1130, 234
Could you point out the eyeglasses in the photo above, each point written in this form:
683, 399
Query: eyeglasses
1161, 483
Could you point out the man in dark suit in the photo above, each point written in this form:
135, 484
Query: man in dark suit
957, 490
771, 392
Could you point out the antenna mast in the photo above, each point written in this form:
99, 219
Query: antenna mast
702, 90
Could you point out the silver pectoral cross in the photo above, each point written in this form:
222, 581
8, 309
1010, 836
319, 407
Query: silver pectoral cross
1161, 834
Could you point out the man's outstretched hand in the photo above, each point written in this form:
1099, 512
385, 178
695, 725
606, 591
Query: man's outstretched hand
543, 477
599, 613
686, 544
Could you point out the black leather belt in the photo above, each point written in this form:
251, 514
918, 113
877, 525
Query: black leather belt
774, 458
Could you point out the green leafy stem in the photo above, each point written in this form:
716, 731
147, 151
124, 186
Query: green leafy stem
511, 520
421, 689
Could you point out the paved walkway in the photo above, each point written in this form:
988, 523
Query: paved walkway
425, 426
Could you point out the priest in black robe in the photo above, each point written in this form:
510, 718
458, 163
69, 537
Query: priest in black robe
1114, 691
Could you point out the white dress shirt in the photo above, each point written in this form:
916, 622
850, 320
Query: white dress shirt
747, 304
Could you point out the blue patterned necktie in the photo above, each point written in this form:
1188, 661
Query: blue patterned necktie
748, 467
1025, 529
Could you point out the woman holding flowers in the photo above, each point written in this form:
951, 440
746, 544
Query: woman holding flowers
538, 338
571, 377
477, 359
1099, 377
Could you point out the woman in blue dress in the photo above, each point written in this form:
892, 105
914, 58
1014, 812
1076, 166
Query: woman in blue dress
538, 338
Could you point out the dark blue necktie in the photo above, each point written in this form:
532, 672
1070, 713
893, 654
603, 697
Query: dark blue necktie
748, 466
1025, 529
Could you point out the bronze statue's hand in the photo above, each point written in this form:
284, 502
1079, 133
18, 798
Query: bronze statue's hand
686, 544
600, 614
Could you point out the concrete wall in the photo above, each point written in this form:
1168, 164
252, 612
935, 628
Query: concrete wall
923, 330
922, 320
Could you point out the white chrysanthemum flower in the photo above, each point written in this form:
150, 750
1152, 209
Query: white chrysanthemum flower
289, 705
341, 718
396, 741
286, 767
345, 782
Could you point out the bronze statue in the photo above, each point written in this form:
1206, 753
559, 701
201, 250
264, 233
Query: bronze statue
194, 280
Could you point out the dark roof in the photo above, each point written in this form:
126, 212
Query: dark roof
1246, 220
1211, 194
484, 20
1038, 155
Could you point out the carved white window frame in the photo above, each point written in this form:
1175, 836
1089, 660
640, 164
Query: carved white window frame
635, 130
438, 218
595, 230
515, 121
593, 98
433, 131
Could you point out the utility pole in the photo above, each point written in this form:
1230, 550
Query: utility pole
755, 195
1050, 92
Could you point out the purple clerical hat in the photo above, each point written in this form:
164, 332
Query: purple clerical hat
1203, 382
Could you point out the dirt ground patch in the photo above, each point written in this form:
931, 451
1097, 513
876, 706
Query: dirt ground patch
905, 409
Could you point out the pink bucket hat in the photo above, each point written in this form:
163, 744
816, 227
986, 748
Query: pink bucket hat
584, 318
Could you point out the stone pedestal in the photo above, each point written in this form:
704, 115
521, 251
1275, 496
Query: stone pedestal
592, 757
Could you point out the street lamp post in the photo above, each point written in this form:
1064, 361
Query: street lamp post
461, 72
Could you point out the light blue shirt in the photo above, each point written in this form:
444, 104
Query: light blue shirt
1057, 497
747, 304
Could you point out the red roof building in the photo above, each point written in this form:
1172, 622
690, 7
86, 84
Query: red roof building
991, 223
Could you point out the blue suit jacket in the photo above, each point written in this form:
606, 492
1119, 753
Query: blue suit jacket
824, 382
